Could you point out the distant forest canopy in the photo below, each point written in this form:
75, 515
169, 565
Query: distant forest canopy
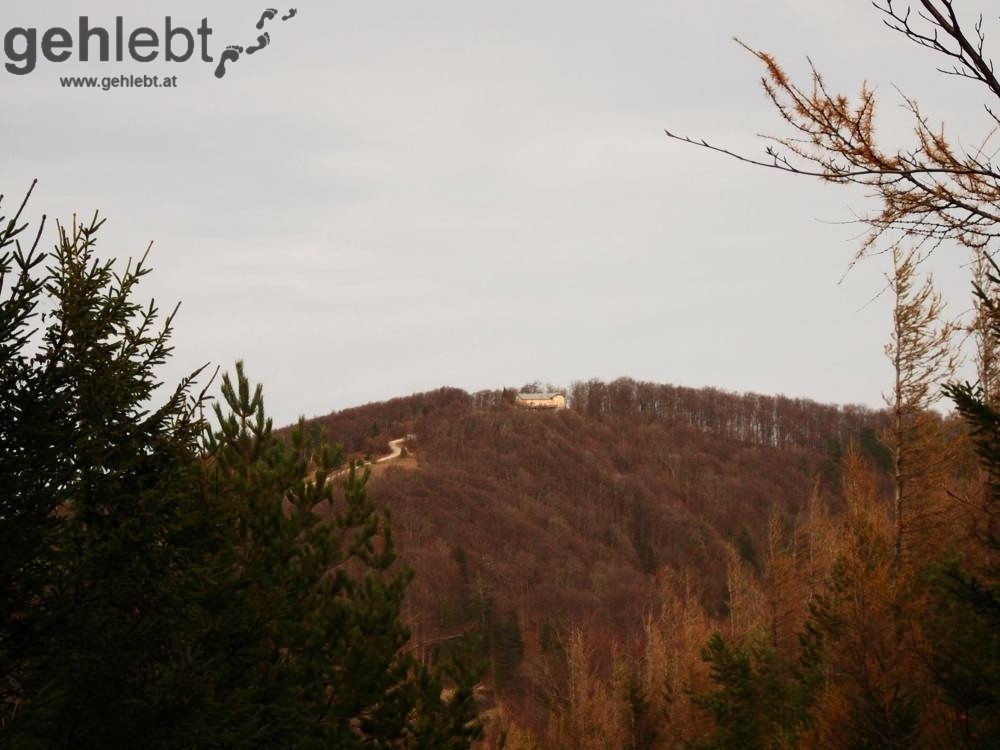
553, 543
776, 421
641, 475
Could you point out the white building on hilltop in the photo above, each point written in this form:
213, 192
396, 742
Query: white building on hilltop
541, 400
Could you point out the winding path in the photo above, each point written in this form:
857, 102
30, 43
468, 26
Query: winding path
396, 446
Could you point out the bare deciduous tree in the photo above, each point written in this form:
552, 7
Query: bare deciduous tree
931, 189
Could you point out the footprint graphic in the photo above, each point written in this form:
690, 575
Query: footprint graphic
230, 54
267, 15
292, 12
262, 41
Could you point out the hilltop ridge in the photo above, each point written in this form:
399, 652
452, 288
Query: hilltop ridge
530, 523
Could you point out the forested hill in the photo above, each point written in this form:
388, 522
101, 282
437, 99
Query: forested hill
530, 523
775, 421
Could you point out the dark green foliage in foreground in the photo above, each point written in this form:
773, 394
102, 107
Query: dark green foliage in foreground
966, 621
755, 702
965, 659
33, 444
168, 584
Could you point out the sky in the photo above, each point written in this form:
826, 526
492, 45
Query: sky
392, 196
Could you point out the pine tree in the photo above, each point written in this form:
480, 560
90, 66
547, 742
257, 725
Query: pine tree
754, 703
965, 620
113, 480
170, 584
33, 450
328, 595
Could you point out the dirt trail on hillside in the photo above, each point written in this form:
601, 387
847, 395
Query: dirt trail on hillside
396, 448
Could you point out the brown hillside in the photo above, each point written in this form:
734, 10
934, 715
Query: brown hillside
544, 521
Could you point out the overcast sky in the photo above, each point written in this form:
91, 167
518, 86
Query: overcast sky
396, 196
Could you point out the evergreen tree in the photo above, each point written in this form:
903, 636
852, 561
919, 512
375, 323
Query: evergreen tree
965, 622
755, 702
508, 649
327, 593
33, 450
93, 655
167, 584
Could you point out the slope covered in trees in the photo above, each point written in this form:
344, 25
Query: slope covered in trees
896, 620
651, 569
526, 526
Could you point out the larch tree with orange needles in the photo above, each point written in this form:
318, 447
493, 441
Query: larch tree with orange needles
932, 189
921, 352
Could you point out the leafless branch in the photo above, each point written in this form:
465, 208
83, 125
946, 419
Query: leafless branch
930, 190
